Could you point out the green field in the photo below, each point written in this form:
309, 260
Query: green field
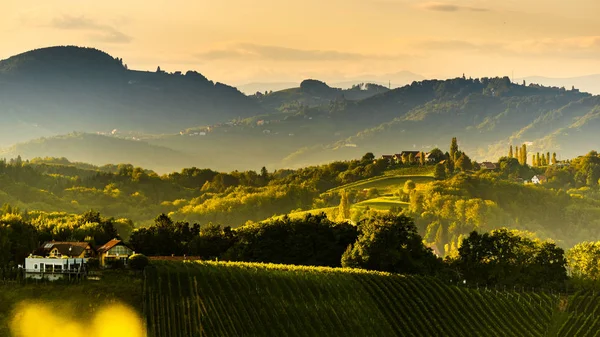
381, 203
386, 184
249, 299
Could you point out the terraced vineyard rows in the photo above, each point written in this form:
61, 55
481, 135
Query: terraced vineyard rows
582, 315
249, 299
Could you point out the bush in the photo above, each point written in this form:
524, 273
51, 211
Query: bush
138, 261
93, 263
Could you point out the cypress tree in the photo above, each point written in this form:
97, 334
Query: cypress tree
422, 158
547, 158
344, 208
517, 154
537, 160
453, 148
524, 154
554, 161
510, 152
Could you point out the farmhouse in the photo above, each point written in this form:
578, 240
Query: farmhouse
114, 251
486, 165
65, 249
54, 268
538, 179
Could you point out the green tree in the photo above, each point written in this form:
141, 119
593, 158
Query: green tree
517, 154
533, 160
449, 166
138, 261
538, 162
547, 158
453, 148
409, 186
554, 161
422, 158
344, 207
440, 172
437, 155
510, 152
390, 243
524, 154
368, 157
584, 261
411, 158
464, 163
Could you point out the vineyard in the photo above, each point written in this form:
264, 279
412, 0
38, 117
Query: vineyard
581, 316
249, 299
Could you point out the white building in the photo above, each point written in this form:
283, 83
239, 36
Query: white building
52, 268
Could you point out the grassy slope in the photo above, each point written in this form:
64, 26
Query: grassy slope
77, 301
225, 299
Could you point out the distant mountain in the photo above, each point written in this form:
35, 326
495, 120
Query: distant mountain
589, 83
60, 89
393, 80
100, 150
487, 115
253, 88
313, 93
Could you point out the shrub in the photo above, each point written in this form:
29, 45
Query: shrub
138, 261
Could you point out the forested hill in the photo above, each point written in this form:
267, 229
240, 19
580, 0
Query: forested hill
63, 89
488, 114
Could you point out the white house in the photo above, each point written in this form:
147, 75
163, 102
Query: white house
538, 179
53, 268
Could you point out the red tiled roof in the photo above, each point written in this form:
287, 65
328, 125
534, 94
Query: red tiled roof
107, 246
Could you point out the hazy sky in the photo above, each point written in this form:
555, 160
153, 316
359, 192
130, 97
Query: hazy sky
239, 41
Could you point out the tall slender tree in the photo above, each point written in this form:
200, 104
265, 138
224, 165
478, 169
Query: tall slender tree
453, 148
548, 158
537, 160
422, 158
517, 154
533, 160
554, 161
344, 208
524, 154
510, 152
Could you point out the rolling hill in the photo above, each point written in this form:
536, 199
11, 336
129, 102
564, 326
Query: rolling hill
58, 90
101, 150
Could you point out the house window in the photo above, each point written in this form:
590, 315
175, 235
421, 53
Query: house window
120, 250
35, 266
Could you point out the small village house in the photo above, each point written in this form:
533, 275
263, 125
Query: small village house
539, 179
54, 268
113, 251
68, 249
486, 165
57, 260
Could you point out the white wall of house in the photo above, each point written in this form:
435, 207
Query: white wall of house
51, 268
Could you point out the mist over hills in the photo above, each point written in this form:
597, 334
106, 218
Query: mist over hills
168, 121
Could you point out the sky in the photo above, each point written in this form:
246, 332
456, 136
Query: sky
243, 41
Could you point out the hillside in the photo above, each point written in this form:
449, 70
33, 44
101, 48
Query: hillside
314, 93
61, 89
273, 300
53, 91
101, 150
486, 114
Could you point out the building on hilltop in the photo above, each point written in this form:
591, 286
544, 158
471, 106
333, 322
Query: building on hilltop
539, 179
114, 251
486, 165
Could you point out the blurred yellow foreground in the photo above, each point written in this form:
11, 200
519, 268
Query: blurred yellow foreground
42, 320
